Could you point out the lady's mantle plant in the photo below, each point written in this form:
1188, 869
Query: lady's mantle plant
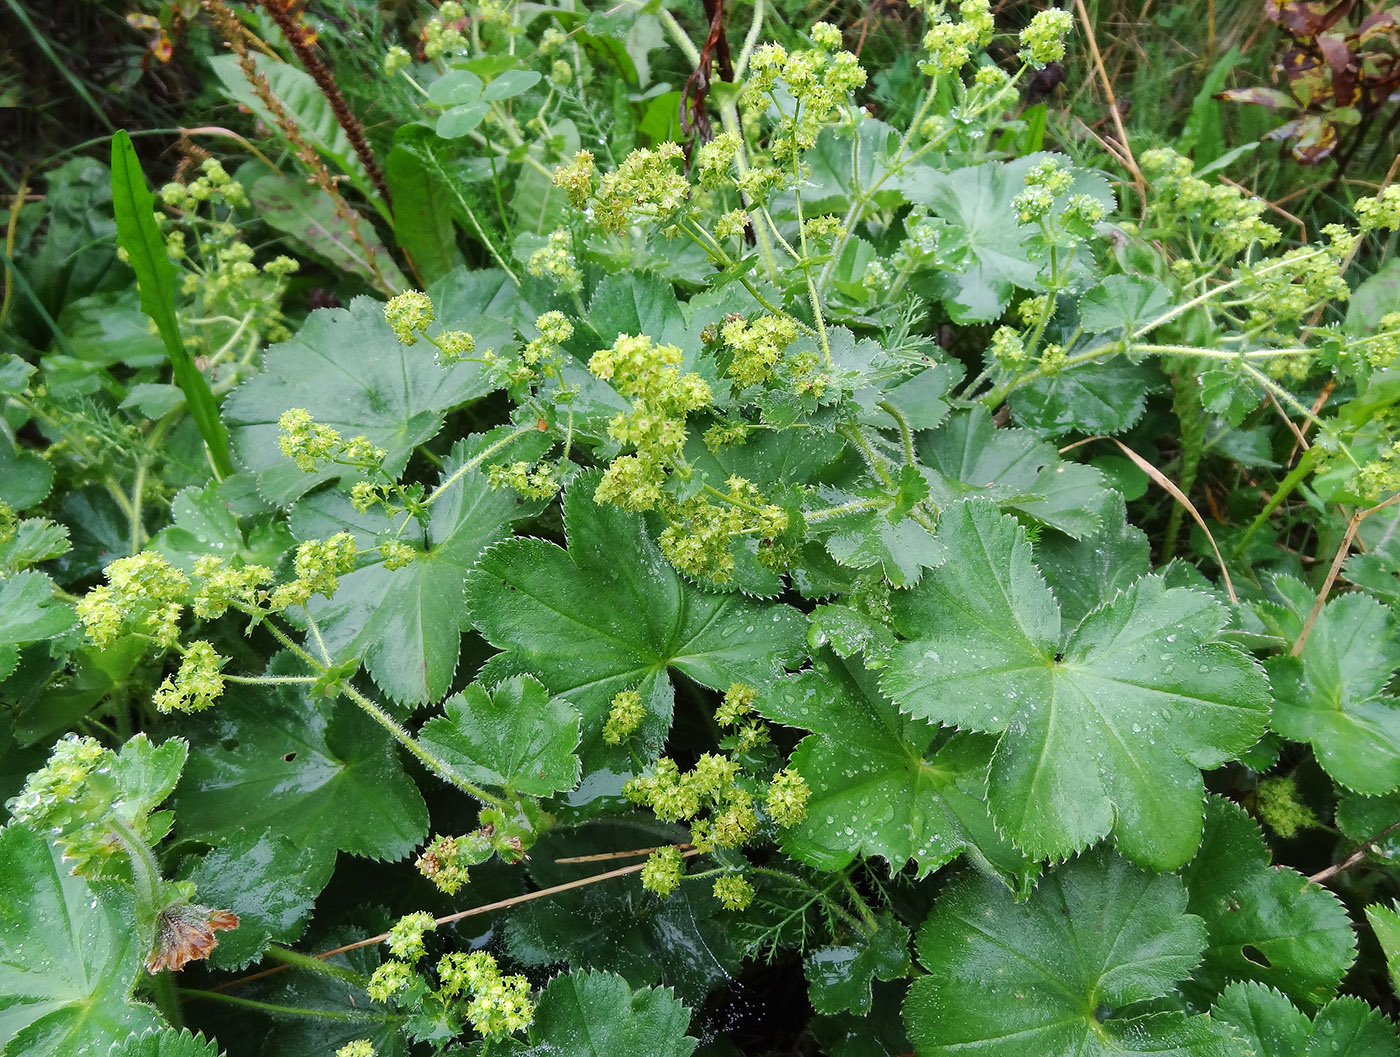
673, 543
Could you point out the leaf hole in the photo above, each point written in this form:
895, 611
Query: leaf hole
1255, 955
289, 757
229, 744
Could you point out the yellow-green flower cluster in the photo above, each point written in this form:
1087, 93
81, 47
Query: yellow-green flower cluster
714, 160
197, 683
578, 179
1381, 213
145, 591
391, 978
319, 565
408, 315
736, 711
441, 36
397, 554
1007, 348
1380, 478
700, 530
532, 480
309, 443
356, 1048
221, 586
733, 892
397, 59
646, 186
663, 871
1291, 286
499, 1004
711, 787
405, 939
786, 800
757, 346
1230, 221
819, 81
555, 261
74, 785
649, 375
1043, 40
624, 717
1282, 809
444, 862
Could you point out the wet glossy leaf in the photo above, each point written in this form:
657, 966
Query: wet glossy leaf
611, 614
35, 540
166, 1043
1122, 302
1050, 975
1104, 728
599, 1015
1084, 574
514, 736
1266, 923
839, 976
407, 623
1269, 1025
1334, 694
267, 879
1103, 397
29, 612
1385, 923
318, 771
345, 367
878, 786
1016, 470
69, 957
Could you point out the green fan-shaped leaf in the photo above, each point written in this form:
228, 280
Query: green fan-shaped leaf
270, 881
878, 786
35, 540
317, 770
599, 1015
407, 623
1333, 694
69, 957
1269, 1026
1048, 975
1084, 574
1121, 302
684, 941
1266, 923
1385, 923
610, 614
514, 736
1103, 397
165, 1043
1104, 729
349, 371
1015, 469
839, 976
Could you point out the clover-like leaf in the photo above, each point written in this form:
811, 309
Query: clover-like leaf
1333, 694
600, 1015
514, 737
610, 614
69, 957
345, 367
1269, 1025
878, 787
1266, 923
1015, 469
1049, 975
407, 622
319, 771
1104, 729
839, 976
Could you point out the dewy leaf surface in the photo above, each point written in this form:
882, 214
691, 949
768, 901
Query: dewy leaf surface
1333, 694
1266, 923
1269, 1026
514, 736
319, 771
407, 623
1045, 976
611, 614
68, 959
1016, 470
599, 1015
349, 371
839, 976
876, 788
1104, 729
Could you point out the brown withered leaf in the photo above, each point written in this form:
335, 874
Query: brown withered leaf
185, 933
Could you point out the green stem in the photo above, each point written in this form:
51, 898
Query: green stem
275, 1009
475, 461
429, 759
855, 506
167, 998
320, 966
873, 459
905, 434
1283, 491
